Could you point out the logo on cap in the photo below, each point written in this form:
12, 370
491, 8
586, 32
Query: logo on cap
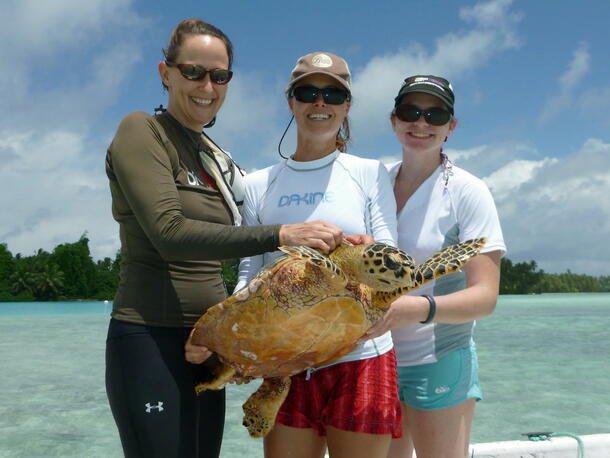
321, 60
426, 80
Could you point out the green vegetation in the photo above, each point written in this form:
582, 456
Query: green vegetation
526, 278
70, 273
229, 273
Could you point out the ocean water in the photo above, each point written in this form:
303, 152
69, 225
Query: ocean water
544, 366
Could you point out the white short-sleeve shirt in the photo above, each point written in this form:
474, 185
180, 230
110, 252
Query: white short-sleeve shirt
450, 207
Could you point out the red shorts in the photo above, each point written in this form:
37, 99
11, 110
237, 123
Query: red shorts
359, 396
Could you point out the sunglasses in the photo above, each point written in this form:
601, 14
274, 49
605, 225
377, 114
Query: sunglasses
309, 94
434, 116
194, 72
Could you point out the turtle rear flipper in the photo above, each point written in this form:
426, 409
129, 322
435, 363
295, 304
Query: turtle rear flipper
447, 261
221, 374
262, 406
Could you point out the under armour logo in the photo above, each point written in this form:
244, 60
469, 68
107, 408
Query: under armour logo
150, 407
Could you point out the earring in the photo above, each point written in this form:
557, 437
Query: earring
446, 138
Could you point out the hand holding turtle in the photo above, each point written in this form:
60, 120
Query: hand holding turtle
195, 354
318, 234
360, 239
404, 311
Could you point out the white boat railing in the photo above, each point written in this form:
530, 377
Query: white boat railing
589, 446
593, 446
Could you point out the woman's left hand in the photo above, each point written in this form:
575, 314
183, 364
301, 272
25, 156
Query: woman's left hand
476, 301
195, 354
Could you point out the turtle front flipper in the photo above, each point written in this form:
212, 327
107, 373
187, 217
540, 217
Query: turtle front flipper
447, 261
262, 406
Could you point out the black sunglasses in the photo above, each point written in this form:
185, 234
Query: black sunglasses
309, 94
194, 72
434, 116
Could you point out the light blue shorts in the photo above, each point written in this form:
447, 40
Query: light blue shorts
447, 382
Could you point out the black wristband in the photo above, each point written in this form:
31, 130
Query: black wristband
432, 311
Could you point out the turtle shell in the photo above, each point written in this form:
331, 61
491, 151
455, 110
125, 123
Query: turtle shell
295, 314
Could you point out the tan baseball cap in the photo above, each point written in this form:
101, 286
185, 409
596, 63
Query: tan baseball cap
323, 63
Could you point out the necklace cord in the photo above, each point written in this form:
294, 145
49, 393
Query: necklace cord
279, 145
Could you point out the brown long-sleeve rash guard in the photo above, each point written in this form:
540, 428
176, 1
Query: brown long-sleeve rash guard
174, 226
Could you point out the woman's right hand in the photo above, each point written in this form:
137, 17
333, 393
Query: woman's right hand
319, 234
195, 354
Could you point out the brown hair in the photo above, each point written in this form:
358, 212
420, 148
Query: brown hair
343, 136
194, 26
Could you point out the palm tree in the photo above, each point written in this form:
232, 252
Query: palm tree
48, 282
21, 280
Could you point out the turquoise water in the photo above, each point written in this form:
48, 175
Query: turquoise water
54, 308
544, 366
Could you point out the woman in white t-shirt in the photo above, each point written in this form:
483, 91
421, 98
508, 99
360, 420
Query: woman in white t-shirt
438, 205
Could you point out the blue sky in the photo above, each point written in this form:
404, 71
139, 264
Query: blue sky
532, 83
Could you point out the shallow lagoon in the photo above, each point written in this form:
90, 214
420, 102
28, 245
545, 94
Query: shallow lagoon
545, 366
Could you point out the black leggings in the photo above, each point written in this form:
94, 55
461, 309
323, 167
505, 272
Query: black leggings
150, 387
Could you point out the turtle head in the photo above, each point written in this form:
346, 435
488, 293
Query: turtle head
385, 268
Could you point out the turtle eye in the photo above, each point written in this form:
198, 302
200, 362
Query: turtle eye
390, 263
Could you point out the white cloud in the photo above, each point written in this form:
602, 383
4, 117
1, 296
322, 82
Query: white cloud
30, 151
484, 160
455, 54
507, 180
52, 194
250, 105
495, 15
250, 116
560, 216
38, 29
47, 77
553, 210
460, 155
577, 69
58, 71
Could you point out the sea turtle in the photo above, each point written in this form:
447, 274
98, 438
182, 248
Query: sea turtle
305, 310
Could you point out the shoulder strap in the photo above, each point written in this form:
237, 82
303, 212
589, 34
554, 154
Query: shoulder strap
227, 174
219, 165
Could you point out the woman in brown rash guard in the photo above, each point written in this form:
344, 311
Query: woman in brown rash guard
175, 195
